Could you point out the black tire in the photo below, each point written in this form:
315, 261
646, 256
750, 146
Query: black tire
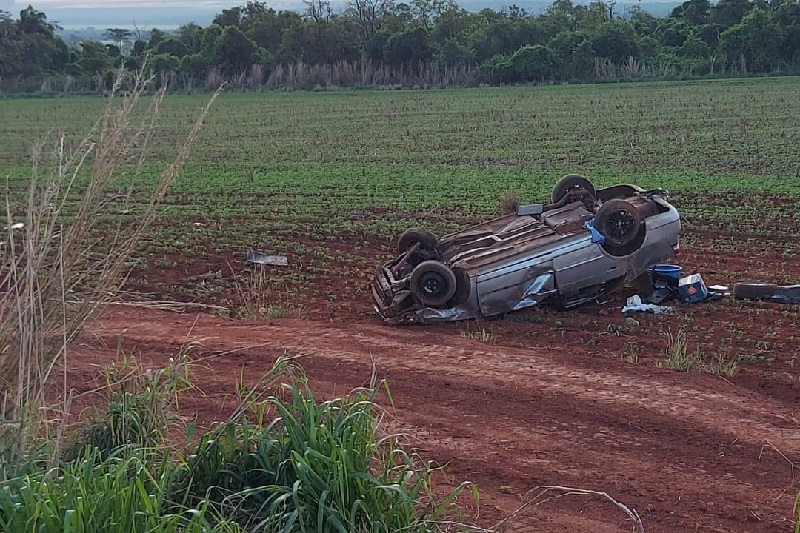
755, 291
426, 240
433, 283
619, 222
568, 183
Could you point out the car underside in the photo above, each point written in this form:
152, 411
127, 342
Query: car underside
582, 244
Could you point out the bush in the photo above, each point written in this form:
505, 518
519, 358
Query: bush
534, 63
314, 466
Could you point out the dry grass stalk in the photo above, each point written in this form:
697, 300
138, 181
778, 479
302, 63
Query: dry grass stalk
65, 252
509, 203
545, 493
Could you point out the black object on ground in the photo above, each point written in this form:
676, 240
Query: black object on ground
785, 294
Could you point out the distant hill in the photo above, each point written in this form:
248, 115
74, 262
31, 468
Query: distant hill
169, 17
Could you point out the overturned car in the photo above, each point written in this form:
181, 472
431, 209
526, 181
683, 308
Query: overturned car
583, 244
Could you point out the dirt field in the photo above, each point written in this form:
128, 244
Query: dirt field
533, 399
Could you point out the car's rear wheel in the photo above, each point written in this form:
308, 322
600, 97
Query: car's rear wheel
433, 283
619, 222
426, 240
570, 183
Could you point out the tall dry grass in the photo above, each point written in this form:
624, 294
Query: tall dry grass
60, 258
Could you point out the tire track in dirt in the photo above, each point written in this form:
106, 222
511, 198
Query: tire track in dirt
683, 449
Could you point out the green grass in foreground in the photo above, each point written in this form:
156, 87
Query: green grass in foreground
288, 463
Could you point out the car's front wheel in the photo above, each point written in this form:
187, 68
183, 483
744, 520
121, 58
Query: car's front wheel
433, 283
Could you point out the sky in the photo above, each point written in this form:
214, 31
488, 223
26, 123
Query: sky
101, 4
166, 14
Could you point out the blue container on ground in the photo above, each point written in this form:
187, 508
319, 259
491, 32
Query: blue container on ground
691, 289
665, 276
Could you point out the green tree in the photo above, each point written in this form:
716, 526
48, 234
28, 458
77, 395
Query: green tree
234, 50
693, 12
172, 46
726, 13
94, 58
119, 36
191, 35
757, 39
194, 65
563, 15
453, 53
534, 63
615, 40
164, 63
410, 46
156, 37
498, 70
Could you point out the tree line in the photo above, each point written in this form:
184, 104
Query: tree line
422, 42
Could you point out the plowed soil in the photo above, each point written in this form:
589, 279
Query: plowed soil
579, 399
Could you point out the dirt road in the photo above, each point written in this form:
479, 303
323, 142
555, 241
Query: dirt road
687, 451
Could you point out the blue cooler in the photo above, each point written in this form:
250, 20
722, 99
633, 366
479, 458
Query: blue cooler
665, 276
691, 289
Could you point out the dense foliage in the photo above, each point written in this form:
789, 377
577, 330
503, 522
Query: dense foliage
288, 464
433, 42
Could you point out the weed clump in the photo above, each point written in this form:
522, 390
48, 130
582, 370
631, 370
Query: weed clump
283, 461
509, 203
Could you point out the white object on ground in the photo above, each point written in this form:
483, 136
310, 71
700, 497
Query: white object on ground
634, 303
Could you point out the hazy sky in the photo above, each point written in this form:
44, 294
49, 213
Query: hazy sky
198, 4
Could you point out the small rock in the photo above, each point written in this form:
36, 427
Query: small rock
631, 321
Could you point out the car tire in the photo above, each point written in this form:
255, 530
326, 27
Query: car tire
755, 291
426, 240
619, 223
433, 283
568, 183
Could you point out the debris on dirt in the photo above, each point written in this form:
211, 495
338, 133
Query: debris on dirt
669, 285
259, 258
631, 321
207, 276
635, 303
785, 294
692, 289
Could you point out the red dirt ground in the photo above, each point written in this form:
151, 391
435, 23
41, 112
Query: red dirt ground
533, 399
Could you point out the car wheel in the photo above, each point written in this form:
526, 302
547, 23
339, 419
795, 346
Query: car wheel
619, 222
433, 283
569, 183
426, 240
755, 291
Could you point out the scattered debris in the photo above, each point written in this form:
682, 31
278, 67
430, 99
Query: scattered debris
631, 321
635, 303
259, 258
668, 284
